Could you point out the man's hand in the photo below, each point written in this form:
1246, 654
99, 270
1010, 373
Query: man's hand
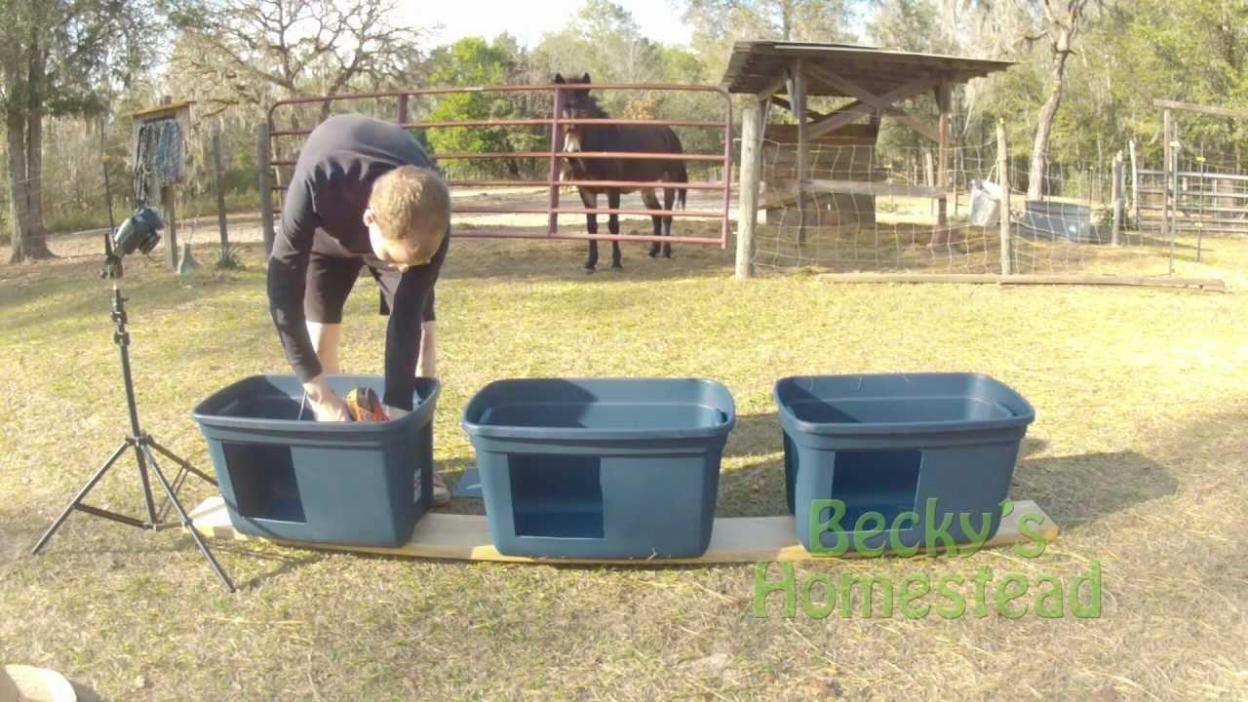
325, 403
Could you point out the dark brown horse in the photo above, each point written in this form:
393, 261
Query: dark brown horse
638, 138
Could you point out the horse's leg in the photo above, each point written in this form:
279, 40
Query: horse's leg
590, 200
669, 198
652, 203
613, 226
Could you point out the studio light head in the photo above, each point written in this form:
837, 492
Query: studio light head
140, 232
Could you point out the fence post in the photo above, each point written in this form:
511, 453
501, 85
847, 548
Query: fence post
1135, 186
266, 186
1167, 136
751, 156
1116, 197
219, 168
1003, 168
168, 202
1171, 185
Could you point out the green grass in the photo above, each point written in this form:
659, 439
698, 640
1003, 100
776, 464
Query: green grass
1137, 452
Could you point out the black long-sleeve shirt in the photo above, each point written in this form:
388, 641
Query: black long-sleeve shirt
329, 190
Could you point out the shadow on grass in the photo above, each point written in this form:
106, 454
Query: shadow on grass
1078, 490
80, 295
477, 258
1073, 490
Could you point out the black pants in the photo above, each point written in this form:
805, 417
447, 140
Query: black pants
330, 280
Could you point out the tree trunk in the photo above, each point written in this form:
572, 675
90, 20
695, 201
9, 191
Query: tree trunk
36, 244
1040, 147
31, 241
17, 184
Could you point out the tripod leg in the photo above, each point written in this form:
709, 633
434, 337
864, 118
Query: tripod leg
186, 520
162, 512
43, 540
181, 462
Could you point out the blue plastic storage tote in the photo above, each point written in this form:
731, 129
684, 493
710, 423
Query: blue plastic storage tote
890, 444
293, 478
601, 468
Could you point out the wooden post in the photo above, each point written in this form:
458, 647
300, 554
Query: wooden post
266, 186
803, 145
929, 177
1116, 199
751, 162
943, 99
1166, 193
1135, 186
1003, 167
168, 203
219, 167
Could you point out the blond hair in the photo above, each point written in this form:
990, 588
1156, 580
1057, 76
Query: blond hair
412, 205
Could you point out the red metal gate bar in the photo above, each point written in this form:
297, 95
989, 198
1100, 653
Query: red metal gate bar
639, 238
503, 155
556, 121
526, 122
488, 209
631, 184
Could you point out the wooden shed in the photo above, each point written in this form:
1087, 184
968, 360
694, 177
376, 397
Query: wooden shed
875, 82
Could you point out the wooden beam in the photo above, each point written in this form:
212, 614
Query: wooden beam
466, 537
751, 168
789, 106
775, 85
855, 187
1202, 109
866, 96
852, 112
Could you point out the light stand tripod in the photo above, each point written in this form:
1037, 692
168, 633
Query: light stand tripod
145, 447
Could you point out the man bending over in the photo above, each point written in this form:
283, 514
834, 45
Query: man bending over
363, 194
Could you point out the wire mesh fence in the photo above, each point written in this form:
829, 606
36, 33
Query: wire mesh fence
866, 209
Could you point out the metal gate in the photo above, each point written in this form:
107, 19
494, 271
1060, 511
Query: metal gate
275, 167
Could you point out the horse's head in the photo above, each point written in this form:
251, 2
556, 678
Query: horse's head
578, 103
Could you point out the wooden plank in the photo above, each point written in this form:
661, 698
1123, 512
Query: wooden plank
1208, 284
1202, 109
866, 96
853, 112
851, 187
781, 102
466, 537
751, 166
